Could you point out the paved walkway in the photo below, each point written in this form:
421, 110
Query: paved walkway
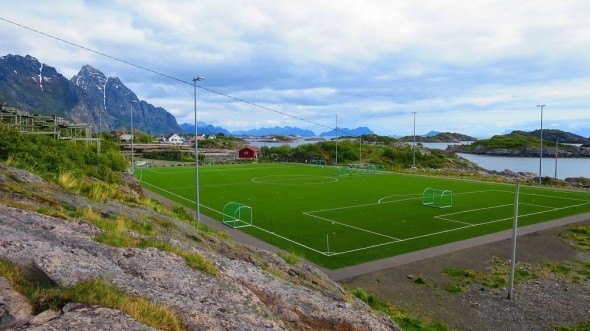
368, 267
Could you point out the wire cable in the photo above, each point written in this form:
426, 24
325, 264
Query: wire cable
174, 78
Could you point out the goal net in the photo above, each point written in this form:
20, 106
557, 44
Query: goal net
437, 198
237, 215
318, 163
341, 171
358, 169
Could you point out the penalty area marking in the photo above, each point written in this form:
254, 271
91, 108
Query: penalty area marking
294, 179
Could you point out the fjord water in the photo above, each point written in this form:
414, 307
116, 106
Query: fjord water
566, 167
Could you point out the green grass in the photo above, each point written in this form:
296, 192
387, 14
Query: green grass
337, 221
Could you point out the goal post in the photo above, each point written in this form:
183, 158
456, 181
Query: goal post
318, 163
237, 215
341, 171
437, 198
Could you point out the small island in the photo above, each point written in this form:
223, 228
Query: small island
528, 144
441, 137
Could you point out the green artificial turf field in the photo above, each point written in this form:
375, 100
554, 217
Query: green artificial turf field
337, 221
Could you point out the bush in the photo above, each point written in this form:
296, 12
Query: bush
51, 158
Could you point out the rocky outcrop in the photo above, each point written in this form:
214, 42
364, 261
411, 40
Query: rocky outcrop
252, 289
578, 181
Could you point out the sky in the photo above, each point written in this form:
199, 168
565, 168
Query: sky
474, 67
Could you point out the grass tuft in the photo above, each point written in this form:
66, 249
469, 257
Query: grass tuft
290, 258
194, 260
69, 181
99, 292
396, 314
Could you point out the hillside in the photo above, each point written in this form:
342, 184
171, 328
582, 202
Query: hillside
440, 137
79, 252
553, 135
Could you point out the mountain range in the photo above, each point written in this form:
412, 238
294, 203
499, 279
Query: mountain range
347, 132
284, 131
88, 97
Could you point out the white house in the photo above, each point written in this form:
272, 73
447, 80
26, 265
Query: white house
171, 138
125, 136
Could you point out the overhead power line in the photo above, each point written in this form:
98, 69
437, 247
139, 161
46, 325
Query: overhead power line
171, 77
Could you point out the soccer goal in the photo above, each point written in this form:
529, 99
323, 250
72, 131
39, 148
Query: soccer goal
318, 163
437, 198
341, 171
237, 215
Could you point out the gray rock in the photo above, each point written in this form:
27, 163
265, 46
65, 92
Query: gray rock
14, 307
45, 317
242, 296
86, 317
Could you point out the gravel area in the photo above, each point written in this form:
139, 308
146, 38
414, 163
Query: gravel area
541, 303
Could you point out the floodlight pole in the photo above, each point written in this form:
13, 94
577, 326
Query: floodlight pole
197, 201
513, 258
132, 136
414, 148
541, 154
336, 138
556, 155
360, 150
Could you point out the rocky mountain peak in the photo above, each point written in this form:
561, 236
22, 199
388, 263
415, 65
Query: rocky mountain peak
89, 77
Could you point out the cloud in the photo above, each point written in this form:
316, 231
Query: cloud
475, 67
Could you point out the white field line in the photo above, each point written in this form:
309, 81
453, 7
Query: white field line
310, 213
290, 240
241, 226
164, 190
534, 205
452, 220
293, 178
449, 230
551, 196
477, 209
257, 227
355, 206
399, 195
364, 248
420, 195
351, 226
239, 169
192, 170
212, 185
407, 239
396, 240
180, 196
